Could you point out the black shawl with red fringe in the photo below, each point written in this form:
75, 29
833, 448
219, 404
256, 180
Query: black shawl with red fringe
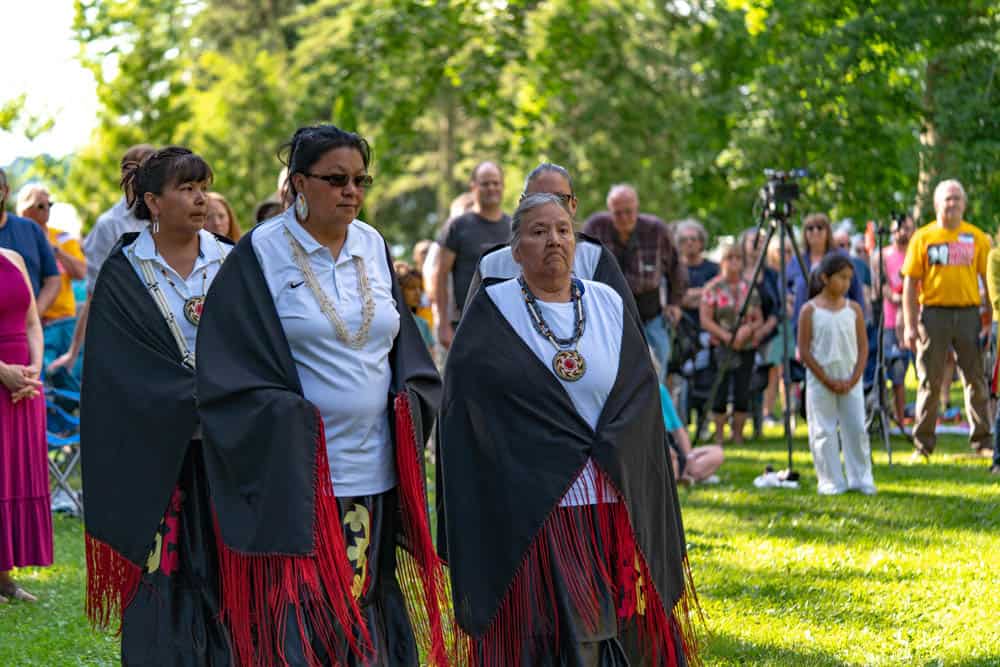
281, 546
137, 418
511, 444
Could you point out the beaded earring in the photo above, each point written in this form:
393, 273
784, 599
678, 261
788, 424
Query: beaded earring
301, 207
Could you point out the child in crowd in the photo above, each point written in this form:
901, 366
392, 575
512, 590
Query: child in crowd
411, 281
834, 348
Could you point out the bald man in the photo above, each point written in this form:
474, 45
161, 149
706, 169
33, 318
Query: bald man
645, 252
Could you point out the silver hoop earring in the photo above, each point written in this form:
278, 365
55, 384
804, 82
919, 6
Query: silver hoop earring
156, 224
301, 207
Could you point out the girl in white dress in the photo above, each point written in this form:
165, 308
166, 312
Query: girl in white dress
833, 346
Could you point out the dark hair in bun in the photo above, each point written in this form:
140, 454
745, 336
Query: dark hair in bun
168, 166
312, 142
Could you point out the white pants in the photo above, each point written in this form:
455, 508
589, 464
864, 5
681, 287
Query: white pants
826, 410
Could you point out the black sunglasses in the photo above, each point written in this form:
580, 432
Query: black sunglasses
341, 180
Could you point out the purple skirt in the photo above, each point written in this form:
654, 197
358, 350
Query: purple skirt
25, 515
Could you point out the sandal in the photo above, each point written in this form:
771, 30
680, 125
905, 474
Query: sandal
18, 593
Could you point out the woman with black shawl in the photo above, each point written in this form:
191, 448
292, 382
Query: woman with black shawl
151, 553
316, 394
563, 531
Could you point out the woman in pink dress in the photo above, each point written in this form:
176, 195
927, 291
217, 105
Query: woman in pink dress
25, 519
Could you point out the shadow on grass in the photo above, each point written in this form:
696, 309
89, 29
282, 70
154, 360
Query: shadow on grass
723, 646
808, 595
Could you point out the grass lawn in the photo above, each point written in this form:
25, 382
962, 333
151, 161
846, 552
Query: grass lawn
907, 577
785, 577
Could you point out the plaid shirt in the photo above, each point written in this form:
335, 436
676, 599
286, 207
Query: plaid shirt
646, 257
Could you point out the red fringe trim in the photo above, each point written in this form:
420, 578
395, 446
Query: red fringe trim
259, 590
112, 582
421, 569
573, 539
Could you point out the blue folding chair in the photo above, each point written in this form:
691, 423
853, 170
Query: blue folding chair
63, 437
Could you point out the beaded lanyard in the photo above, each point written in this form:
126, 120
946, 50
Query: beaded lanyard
160, 299
567, 363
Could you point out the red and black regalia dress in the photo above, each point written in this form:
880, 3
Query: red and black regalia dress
152, 561
309, 578
538, 577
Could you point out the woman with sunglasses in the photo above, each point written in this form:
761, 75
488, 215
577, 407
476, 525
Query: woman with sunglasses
316, 394
59, 319
818, 235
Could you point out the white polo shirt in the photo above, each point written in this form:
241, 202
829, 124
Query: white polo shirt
349, 387
600, 347
211, 254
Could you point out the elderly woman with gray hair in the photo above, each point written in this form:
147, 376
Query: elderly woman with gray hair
561, 520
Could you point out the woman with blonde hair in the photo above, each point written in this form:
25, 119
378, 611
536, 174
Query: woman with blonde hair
220, 218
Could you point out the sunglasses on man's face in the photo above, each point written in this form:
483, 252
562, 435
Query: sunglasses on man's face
43, 205
362, 182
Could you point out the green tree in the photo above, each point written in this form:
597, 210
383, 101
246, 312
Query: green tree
136, 50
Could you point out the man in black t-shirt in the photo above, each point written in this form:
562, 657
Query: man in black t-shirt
464, 239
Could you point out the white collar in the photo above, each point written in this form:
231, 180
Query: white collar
352, 244
209, 248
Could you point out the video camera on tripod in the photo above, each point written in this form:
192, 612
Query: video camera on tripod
780, 191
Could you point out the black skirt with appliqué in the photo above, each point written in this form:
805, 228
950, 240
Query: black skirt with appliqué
173, 619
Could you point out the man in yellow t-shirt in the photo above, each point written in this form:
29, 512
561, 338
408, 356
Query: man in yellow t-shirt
59, 319
944, 262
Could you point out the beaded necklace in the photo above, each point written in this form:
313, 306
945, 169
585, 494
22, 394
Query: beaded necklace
567, 363
360, 337
192, 307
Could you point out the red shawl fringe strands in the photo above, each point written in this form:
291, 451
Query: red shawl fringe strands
421, 569
258, 591
568, 540
112, 582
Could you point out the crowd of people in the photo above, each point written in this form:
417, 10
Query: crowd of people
291, 377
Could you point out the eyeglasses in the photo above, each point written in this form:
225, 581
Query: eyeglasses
363, 181
685, 239
43, 205
844, 246
813, 228
566, 198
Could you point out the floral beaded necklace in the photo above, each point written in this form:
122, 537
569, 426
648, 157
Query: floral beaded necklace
567, 363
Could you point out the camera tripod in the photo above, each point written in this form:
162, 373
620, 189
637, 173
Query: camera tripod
879, 419
777, 198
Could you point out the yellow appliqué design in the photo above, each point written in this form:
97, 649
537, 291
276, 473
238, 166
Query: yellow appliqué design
153, 561
357, 530
640, 593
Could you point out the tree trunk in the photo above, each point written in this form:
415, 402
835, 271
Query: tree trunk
931, 152
446, 155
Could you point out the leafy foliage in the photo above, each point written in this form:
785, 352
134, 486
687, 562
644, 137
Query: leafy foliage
687, 100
